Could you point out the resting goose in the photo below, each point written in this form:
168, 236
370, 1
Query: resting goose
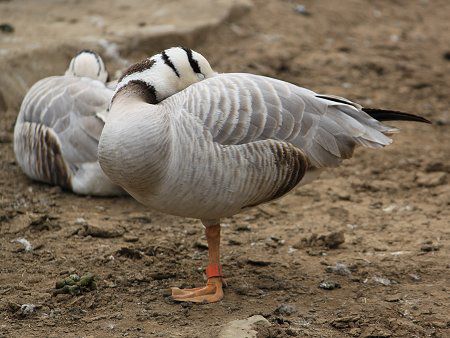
187, 141
59, 124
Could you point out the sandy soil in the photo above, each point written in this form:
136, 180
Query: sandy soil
392, 206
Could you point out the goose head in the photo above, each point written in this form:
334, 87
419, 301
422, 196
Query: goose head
164, 74
88, 63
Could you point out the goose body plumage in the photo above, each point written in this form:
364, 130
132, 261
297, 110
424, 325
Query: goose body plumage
58, 128
229, 142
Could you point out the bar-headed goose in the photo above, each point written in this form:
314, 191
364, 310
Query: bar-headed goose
187, 141
59, 124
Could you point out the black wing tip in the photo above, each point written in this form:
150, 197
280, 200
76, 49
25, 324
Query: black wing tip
394, 115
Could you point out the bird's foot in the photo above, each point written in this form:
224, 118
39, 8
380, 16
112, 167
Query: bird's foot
210, 293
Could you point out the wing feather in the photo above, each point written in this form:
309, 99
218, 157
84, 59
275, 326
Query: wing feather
68, 106
244, 108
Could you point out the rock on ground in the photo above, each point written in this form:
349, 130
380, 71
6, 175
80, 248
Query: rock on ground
244, 328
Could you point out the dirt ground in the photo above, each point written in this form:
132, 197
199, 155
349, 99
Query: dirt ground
391, 205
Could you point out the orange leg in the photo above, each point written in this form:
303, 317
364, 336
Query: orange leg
212, 292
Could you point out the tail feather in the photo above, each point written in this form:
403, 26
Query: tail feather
393, 115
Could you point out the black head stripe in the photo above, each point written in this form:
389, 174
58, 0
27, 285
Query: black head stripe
168, 62
99, 63
147, 91
86, 51
194, 63
138, 67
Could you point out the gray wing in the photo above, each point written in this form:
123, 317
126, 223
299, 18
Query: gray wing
242, 108
68, 106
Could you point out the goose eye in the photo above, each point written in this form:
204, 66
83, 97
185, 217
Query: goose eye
200, 76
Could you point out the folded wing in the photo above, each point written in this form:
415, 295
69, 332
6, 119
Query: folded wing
68, 107
243, 108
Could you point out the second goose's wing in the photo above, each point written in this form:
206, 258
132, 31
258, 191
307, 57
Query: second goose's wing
68, 106
241, 108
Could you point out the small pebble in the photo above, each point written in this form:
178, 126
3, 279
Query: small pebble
27, 309
301, 9
80, 221
285, 309
27, 245
130, 238
415, 277
382, 280
339, 269
329, 285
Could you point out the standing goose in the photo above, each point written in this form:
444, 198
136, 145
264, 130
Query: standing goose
59, 124
187, 141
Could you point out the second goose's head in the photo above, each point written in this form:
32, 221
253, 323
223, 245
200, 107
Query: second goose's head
88, 63
165, 74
